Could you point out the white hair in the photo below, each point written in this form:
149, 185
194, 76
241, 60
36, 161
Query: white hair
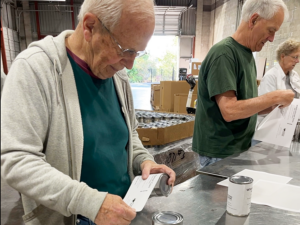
264, 8
110, 11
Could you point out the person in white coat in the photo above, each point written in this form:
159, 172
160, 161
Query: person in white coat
283, 76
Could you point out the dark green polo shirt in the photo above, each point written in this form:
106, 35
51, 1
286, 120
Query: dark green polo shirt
105, 160
227, 66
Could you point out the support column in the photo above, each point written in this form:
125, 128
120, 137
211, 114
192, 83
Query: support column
198, 38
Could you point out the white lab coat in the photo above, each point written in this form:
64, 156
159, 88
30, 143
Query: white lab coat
275, 78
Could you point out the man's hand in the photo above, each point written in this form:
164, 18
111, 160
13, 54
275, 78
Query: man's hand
285, 97
150, 167
114, 211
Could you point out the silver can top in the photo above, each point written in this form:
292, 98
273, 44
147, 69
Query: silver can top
166, 218
237, 179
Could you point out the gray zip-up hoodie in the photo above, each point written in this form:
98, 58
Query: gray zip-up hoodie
42, 136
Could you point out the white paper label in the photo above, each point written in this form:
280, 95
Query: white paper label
239, 199
140, 190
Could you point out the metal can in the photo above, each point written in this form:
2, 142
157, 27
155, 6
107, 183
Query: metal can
166, 218
140, 119
162, 188
239, 195
157, 118
141, 125
147, 119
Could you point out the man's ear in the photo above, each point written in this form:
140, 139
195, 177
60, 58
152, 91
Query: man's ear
253, 19
88, 24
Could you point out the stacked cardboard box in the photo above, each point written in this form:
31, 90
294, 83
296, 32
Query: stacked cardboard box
180, 102
168, 89
195, 68
161, 136
155, 96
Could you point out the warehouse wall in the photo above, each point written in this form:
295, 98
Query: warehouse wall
224, 19
218, 21
289, 29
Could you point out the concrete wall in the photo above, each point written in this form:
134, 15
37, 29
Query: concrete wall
224, 20
218, 21
290, 28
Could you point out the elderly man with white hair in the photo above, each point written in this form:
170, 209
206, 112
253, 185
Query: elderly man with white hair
68, 130
228, 101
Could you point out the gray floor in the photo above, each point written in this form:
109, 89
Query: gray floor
11, 205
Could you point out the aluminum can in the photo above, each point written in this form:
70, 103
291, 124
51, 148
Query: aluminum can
235, 220
166, 218
147, 119
141, 125
157, 118
162, 188
140, 119
239, 195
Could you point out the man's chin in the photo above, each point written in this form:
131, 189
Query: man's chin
259, 48
104, 76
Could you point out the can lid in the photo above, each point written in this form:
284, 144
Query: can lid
163, 185
167, 217
237, 179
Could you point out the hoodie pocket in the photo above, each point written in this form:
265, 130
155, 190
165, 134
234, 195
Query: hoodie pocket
42, 215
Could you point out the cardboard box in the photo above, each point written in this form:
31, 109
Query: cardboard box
196, 68
155, 96
180, 102
167, 91
161, 136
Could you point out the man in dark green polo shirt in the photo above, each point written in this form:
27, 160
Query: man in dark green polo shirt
227, 91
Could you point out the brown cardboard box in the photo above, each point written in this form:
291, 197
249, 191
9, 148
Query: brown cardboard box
155, 96
180, 102
167, 91
196, 68
161, 136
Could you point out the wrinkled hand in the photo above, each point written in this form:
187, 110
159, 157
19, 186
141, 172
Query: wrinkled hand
114, 211
286, 97
150, 167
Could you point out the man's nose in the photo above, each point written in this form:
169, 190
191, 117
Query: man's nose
271, 38
128, 62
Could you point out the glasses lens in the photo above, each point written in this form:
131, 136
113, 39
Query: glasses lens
131, 53
141, 53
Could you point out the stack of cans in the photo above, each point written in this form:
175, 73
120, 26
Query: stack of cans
160, 120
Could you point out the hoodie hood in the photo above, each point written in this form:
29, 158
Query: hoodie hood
55, 49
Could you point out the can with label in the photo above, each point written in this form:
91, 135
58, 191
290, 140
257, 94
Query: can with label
166, 218
239, 195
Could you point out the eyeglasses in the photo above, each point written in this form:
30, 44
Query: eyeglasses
126, 53
294, 57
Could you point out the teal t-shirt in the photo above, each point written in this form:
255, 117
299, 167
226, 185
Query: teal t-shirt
105, 160
227, 66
